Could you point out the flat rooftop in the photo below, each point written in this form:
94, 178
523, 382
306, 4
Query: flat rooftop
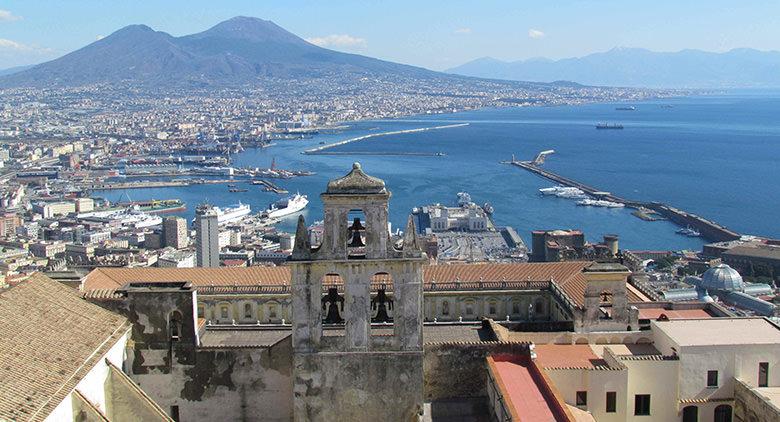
720, 331
772, 394
527, 395
654, 313
586, 356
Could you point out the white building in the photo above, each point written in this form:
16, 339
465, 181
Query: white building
207, 237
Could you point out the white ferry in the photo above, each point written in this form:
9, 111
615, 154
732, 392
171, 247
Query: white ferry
600, 203
232, 214
286, 206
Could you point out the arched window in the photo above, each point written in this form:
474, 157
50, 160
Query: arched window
492, 307
247, 310
515, 307
224, 312
445, 308
201, 311
690, 414
470, 307
723, 413
272, 311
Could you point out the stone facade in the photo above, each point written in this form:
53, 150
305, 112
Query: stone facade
355, 374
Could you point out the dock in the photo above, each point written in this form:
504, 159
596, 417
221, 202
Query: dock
268, 186
153, 184
709, 229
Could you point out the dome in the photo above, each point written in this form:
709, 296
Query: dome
722, 277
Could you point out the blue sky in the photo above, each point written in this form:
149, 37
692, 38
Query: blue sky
434, 34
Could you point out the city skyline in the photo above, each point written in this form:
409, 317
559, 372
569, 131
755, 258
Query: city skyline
428, 35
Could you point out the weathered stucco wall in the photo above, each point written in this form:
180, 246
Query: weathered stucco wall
347, 386
250, 384
459, 370
749, 406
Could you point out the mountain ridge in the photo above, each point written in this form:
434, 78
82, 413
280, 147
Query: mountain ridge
239, 50
638, 67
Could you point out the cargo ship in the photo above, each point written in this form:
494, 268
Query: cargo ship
155, 206
609, 126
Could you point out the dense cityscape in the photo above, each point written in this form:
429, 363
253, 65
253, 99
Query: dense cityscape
130, 310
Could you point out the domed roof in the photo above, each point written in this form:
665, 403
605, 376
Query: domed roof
722, 277
356, 182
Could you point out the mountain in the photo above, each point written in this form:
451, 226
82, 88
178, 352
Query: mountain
635, 67
10, 70
237, 51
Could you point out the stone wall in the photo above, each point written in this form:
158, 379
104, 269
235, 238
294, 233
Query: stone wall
749, 406
347, 386
459, 370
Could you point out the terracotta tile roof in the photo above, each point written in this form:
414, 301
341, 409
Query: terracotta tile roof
654, 313
567, 356
113, 278
49, 339
568, 276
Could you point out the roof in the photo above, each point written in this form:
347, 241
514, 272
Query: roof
758, 251
568, 276
49, 339
238, 338
356, 182
113, 278
567, 356
720, 331
654, 313
527, 394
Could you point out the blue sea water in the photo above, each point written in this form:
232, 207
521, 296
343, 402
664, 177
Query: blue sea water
716, 156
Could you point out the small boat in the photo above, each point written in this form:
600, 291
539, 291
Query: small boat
626, 108
609, 126
688, 231
237, 190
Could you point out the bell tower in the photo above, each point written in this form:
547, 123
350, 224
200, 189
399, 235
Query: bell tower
350, 370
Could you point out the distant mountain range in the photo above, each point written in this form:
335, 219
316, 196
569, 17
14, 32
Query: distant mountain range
237, 51
635, 67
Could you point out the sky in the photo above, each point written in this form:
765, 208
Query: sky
434, 34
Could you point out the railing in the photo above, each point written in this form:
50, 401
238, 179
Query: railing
449, 286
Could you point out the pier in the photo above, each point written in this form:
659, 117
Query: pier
709, 229
385, 153
320, 149
153, 184
269, 187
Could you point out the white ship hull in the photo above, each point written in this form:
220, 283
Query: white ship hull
230, 215
287, 206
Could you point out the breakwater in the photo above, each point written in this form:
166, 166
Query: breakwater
321, 149
709, 229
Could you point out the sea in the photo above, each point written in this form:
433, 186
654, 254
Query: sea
717, 156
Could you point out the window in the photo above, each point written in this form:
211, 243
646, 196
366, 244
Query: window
723, 413
611, 402
223, 311
712, 378
272, 311
175, 413
201, 311
690, 414
582, 398
247, 310
492, 308
445, 308
515, 308
763, 374
642, 404
469, 308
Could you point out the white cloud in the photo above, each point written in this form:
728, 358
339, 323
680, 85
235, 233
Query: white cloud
338, 40
6, 44
463, 31
535, 33
7, 16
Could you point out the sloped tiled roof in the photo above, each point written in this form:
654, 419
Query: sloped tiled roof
568, 276
113, 278
49, 339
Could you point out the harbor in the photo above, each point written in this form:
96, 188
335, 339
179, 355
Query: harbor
647, 211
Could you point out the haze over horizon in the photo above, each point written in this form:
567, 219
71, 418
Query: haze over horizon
427, 35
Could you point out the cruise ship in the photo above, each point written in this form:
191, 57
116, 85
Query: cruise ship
232, 214
127, 217
286, 206
563, 192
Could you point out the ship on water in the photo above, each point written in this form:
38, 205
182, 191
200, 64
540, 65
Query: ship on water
127, 217
232, 214
156, 206
609, 126
626, 108
286, 206
600, 203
